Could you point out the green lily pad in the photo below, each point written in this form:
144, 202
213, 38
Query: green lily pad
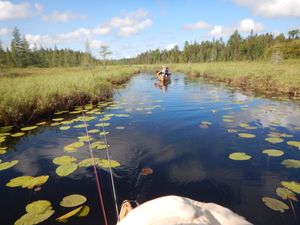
87, 162
282, 135
93, 131
291, 163
274, 140
35, 181
104, 133
107, 163
2, 139
273, 152
29, 128
37, 212
292, 185
58, 119
73, 147
244, 125
65, 127
81, 126
65, 159
3, 135
227, 117
61, 112
73, 200
41, 123
38, 207
232, 131
286, 194
84, 211
55, 124
105, 118
67, 122
66, 169
102, 124
122, 115
5, 129
239, 156
85, 138
246, 135
18, 181
294, 143
227, 120
64, 218
275, 204
7, 165
18, 134
98, 145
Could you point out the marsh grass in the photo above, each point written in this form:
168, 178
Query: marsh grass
28, 93
263, 77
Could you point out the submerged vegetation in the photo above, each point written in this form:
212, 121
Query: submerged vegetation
32, 92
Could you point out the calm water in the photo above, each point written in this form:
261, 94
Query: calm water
164, 132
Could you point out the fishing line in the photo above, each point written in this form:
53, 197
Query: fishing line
94, 166
110, 170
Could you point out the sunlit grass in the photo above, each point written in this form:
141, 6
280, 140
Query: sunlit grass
28, 93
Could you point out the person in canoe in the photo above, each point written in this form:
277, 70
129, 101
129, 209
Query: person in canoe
164, 71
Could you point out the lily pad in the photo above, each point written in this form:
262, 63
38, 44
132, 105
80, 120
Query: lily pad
65, 127
38, 207
18, 181
65, 159
294, 143
81, 126
93, 131
274, 140
291, 163
273, 152
58, 119
232, 131
37, 212
275, 204
105, 118
286, 194
87, 162
227, 120
84, 211
206, 123
98, 145
107, 163
18, 134
67, 122
7, 165
146, 171
104, 133
73, 200
65, 217
3, 150
41, 123
244, 125
102, 124
246, 135
29, 128
85, 138
5, 129
66, 169
239, 156
35, 181
292, 185
120, 127
73, 147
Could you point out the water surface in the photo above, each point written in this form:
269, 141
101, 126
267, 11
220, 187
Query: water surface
179, 131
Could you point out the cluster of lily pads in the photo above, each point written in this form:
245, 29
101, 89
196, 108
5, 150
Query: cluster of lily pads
289, 189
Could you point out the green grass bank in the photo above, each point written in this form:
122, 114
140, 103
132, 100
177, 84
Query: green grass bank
30, 93
261, 77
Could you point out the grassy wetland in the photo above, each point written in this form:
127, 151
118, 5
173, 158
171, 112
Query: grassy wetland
28, 93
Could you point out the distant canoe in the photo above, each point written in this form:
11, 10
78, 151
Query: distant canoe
164, 77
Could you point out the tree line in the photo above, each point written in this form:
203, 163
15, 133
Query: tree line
253, 47
21, 55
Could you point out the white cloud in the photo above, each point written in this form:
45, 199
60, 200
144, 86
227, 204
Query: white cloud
217, 31
61, 17
9, 10
246, 25
272, 8
95, 44
4, 31
170, 46
131, 23
196, 26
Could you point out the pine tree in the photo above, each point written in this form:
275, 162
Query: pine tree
16, 47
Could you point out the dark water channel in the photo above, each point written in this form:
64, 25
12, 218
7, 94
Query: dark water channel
179, 131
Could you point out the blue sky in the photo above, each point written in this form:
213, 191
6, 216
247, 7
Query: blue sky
133, 26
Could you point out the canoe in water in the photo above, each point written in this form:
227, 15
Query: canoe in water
164, 77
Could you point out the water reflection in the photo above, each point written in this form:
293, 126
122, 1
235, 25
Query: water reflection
162, 132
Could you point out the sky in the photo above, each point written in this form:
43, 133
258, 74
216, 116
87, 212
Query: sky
134, 26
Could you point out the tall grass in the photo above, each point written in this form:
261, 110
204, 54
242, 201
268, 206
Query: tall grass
264, 77
28, 93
